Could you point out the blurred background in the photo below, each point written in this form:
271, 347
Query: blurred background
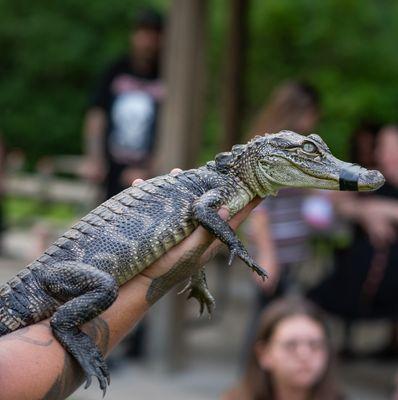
94, 94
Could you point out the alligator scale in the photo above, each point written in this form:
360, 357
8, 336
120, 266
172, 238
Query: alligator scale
78, 276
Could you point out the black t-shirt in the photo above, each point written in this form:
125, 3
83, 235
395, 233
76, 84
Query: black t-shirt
131, 103
364, 282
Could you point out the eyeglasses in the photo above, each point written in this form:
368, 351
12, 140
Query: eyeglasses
291, 346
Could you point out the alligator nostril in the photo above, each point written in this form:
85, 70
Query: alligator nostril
370, 180
379, 178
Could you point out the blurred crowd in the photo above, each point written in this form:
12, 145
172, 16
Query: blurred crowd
288, 351
362, 282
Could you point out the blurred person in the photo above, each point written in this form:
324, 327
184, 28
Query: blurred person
120, 125
292, 106
292, 356
362, 145
277, 229
364, 273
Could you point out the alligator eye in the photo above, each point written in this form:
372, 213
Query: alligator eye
309, 147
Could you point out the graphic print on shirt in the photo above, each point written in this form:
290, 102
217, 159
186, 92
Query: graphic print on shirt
133, 114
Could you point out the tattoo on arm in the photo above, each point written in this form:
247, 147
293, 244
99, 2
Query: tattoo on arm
182, 270
71, 376
22, 335
67, 381
98, 330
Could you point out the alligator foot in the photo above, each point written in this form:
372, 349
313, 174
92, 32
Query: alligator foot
88, 291
87, 355
241, 252
205, 211
197, 288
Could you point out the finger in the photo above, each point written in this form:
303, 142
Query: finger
174, 171
223, 212
137, 181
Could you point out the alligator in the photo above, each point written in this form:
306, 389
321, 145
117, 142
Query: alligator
78, 276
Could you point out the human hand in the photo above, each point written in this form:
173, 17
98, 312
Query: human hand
378, 223
182, 260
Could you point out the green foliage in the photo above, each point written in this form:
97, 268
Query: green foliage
51, 53
346, 48
25, 211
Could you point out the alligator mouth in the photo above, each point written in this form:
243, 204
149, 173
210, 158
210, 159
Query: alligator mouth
332, 183
348, 177
355, 178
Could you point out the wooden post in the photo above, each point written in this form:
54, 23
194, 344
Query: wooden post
184, 66
233, 92
178, 146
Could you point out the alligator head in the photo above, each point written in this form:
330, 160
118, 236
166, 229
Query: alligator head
287, 159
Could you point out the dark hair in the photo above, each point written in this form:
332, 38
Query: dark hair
310, 92
148, 18
371, 129
257, 384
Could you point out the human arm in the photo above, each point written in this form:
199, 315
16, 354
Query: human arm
94, 126
33, 365
264, 248
378, 216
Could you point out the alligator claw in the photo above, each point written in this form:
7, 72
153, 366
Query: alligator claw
88, 382
88, 356
260, 271
231, 257
241, 252
203, 296
185, 288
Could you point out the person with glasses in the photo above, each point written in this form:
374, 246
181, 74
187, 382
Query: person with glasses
292, 357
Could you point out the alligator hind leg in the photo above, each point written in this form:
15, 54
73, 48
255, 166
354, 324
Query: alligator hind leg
197, 287
86, 291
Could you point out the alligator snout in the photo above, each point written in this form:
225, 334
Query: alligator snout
370, 180
356, 178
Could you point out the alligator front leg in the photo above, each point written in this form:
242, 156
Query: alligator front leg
86, 292
205, 211
197, 287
